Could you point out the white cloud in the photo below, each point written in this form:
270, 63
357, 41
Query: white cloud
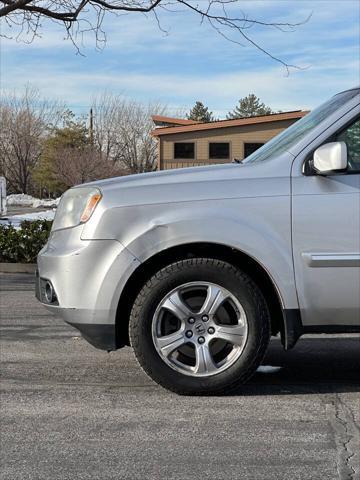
194, 63
299, 91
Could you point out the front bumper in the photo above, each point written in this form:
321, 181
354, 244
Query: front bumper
88, 277
101, 336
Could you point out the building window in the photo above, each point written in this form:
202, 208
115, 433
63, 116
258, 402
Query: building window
219, 150
250, 148
184, 150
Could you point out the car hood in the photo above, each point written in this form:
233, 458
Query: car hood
179, 175
196, 183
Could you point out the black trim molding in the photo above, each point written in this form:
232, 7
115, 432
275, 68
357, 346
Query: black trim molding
293, 328
101, 336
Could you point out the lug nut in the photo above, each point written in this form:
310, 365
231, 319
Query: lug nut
205, 318
191, 320
188, 333
211, 330
201, 339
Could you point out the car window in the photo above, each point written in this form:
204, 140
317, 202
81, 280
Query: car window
351, 136
294, 134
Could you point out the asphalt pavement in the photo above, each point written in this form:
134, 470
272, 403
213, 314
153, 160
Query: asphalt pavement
69, 411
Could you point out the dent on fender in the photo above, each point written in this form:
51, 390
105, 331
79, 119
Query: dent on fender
161, 237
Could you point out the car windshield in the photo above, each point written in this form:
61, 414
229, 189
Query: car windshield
298, 130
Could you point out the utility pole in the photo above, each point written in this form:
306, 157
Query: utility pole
91, 127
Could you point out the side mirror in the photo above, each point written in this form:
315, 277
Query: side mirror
330, 158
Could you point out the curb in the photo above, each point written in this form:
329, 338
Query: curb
18, 268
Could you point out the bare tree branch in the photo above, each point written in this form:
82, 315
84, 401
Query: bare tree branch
234, 23
25, 121
80, 16
122, 132
73, 167
13, 6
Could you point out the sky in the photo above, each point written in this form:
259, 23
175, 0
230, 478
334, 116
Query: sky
187, 60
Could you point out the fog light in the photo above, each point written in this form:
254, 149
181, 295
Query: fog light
49, 293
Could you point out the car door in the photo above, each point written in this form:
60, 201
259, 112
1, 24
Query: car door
326, 238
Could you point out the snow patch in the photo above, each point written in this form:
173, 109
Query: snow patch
20, 199
15, 220
50, 203
24, 200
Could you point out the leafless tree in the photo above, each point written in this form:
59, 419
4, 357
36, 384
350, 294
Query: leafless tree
74, 166
122, 132
81, 16
25, 120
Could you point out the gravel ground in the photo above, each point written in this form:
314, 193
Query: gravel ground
69, 411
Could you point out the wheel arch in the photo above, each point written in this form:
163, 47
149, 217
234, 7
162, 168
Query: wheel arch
201, 249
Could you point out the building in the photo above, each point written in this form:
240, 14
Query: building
185, 143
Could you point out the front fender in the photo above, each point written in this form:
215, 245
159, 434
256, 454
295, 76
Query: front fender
259, 227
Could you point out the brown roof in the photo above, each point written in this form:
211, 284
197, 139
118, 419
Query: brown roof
174, 121
274, 117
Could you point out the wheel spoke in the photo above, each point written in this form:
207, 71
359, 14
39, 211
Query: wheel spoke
231, 333
169, 343
206, 341
177, 306
204, 360
214, 298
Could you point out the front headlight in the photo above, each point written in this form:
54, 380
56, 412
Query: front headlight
76, 206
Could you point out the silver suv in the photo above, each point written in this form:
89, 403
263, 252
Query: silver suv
197, 268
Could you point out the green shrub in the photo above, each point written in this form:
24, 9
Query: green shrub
22, 245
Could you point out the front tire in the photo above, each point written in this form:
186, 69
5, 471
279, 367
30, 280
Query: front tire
200, 326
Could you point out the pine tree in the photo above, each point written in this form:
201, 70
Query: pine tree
200, 113
248, 107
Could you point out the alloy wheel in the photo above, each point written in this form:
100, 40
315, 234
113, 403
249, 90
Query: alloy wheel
199, 329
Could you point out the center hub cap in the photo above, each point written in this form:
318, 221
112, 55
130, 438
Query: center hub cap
200, 329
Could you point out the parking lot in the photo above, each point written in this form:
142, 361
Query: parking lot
69, 411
